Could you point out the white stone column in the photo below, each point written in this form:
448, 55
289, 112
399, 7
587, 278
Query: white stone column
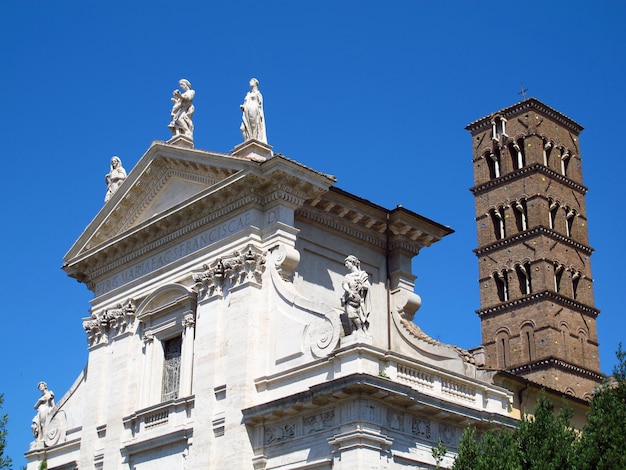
186, 369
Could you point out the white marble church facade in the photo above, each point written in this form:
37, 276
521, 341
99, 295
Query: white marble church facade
218, 336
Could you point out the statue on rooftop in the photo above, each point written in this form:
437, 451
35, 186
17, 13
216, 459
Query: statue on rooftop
44, 406
253, 119
182, 110
356, 285
114, 178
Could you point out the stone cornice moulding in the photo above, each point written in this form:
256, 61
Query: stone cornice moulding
365, 385
527, 234
358, 218
558, 363
537, 297
523, 172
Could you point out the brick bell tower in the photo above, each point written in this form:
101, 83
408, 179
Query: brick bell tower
537, 312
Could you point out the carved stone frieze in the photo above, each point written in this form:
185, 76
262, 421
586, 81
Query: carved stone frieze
276, 433
421, 427
279, 433
230, 271
448, 434
395, 420
117, 320
318, 422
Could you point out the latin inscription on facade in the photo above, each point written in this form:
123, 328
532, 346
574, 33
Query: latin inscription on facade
174, 253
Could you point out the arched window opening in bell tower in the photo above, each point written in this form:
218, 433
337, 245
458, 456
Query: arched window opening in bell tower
493, 162
582, 335
554, 209
576, 277
547, 151
565, 159
570, 215
497, 217
521, 215
565, 340
523, 276
558, 276
502, 349
527, 335
516, 149
498, 128
502, 283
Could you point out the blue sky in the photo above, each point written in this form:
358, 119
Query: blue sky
375, 93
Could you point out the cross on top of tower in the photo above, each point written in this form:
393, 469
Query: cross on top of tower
523, 92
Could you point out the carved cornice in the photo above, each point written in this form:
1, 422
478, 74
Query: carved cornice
362, 220
344, 226
230, 271
527, 234
352, 386
523, 173
100, 326
539, 297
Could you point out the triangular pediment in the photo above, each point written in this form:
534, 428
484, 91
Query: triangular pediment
164, 178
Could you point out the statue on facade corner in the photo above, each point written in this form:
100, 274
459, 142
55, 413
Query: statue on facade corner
182, 110
253, 119
44, 406
114, 178
356, 285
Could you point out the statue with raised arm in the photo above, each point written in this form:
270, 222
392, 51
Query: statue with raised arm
356, 285
182, 110
253, 119
114, 178
44, 406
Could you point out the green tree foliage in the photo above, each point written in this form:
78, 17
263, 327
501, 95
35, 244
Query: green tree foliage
547, 442
602, 443
5, 461
543, 441
438, 452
